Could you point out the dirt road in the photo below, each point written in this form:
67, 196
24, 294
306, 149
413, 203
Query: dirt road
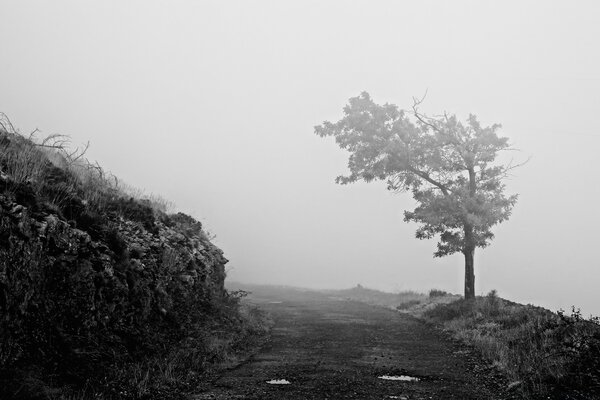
331, 348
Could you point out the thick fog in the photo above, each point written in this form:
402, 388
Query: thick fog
213, 105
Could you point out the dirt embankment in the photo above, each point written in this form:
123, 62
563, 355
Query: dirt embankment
101, 292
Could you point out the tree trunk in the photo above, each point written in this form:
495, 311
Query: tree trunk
469, 244
469, 273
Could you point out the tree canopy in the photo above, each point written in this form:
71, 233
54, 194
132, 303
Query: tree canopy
449, 166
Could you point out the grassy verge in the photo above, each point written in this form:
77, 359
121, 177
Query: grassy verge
542, 353
407, 301
225, 341
190, 366
376, 297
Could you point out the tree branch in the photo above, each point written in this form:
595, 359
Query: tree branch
445, 190
421, 117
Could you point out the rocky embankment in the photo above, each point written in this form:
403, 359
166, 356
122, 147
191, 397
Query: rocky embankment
91, 279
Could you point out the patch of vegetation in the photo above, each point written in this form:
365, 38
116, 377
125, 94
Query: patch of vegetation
404, 299
437, 293
405, 305
189, 365
543, 353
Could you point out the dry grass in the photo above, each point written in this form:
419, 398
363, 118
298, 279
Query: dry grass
379, 298
30, 161
183, 368
408, 301
19, 161
178, 372
540, 351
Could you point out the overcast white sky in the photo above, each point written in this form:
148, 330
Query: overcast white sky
213, 104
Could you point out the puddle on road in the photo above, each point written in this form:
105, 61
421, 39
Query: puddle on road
404, 378
278, 382
275, 302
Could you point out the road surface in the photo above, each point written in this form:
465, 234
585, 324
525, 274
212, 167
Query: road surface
332, 348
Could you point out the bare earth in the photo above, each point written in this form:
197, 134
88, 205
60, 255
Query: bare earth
331, 348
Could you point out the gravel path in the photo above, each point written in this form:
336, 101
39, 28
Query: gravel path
331, 348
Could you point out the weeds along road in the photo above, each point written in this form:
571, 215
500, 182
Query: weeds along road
330, 348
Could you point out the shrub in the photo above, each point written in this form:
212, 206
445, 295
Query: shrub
437, 293
186, 224
579, 340
134, 210
447, 312
408, 304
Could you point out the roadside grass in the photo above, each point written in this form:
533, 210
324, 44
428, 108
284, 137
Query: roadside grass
182, 369
189, 366
542, 353
407, 301
376, 297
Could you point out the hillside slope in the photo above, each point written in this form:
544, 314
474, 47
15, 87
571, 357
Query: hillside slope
94, 281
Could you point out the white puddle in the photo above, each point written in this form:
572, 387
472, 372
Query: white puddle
275, 302
278, 382
404, 378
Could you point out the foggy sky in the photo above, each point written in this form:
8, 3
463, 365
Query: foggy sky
213, 104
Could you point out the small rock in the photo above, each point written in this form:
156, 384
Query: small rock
404, 378
186, 278
278, 382
137, 265
24, 229
137, 250
42, 227
514, 385
17, 209
51, 220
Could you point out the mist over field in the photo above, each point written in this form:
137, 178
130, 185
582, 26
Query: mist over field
213, 105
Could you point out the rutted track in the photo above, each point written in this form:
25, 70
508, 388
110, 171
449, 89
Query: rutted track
330, 348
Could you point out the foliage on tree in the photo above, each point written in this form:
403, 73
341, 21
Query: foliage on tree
449, 166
